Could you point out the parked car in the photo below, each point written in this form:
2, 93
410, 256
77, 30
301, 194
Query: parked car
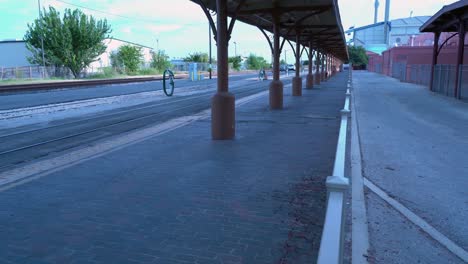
291, 67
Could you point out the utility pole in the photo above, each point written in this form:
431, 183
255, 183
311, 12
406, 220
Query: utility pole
209, 40
42, 39
235, 48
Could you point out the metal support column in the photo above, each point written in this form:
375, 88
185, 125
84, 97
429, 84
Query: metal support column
435, 50
460, 54
223, 102
297, 80
318, 59
276, 86
322, 75
209, 50
310, 76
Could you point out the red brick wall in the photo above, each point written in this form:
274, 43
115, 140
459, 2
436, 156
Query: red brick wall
414, 55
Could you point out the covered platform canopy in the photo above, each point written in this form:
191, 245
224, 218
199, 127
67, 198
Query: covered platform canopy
451, 18
448, 18
314, 24
317, 20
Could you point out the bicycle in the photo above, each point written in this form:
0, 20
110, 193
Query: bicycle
168, 74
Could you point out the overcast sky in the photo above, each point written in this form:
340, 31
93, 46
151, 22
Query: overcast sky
180, 27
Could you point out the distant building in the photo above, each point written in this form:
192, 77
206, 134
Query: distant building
113, 45
13, 53
402, 32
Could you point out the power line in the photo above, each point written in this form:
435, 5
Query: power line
121, 16
108, 13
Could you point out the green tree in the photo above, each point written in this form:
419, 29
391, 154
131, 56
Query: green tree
74, 41
116, 63
256, 62
129, 57
357, 55
160, 60
236, 62
201, 57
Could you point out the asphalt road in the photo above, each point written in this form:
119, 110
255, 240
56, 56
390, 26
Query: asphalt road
414, 146
25, 144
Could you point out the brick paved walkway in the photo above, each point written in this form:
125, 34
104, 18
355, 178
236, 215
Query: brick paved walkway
182, 198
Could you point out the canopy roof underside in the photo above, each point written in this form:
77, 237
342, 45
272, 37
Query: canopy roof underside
317, 21
448, 18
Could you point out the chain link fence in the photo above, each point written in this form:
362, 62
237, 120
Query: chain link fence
444, 79
464, 82
378, 68
399, 71
186, 65
34, 72
40, 72
419, 74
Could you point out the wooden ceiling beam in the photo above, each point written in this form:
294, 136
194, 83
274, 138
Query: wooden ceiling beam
285, 9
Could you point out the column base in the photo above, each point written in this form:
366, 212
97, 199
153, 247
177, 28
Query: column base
223, 116
310, 81
276, 95
297, 86
317, 78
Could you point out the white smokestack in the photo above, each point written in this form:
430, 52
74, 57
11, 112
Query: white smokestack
387, 15
376, 10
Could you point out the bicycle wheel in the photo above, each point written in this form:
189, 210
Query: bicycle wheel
168, 86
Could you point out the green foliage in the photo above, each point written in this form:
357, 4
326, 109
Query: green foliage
282, 62
107, 72
256, 62
74, 41
149, 71
357, 55
116, 63
160, 60
236, 62
129, 57
201, 57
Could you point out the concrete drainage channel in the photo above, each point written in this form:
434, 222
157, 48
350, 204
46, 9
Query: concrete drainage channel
332, 243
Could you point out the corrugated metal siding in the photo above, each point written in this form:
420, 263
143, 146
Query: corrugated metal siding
14, 54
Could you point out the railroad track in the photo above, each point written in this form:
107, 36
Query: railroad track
69, 84
60, 137
77, 84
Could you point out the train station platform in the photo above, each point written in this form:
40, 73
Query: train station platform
179, 197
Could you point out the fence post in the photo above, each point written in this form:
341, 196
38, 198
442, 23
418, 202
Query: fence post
447, 76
